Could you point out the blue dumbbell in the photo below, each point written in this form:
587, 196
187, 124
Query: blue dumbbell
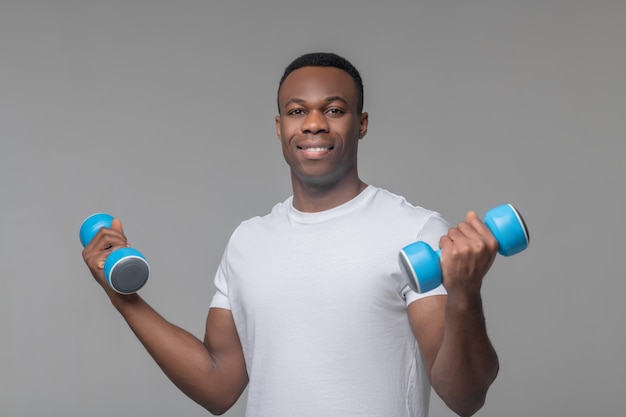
125, 269
422, 265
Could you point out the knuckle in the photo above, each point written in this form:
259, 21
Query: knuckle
479, 246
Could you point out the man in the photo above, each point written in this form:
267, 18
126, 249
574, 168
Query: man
311, 309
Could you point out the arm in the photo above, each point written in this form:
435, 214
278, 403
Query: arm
213, 372
451, 330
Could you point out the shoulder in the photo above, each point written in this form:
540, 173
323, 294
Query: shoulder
391, 199
398, 205
263, 223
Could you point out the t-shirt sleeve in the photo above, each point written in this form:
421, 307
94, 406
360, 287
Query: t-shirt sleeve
434, 228
220, 298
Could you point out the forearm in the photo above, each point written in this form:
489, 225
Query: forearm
212, 373
183, 358
466, 363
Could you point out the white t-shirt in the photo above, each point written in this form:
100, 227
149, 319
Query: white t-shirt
320, 302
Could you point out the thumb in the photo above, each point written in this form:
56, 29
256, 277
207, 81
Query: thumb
116, 224
471, 215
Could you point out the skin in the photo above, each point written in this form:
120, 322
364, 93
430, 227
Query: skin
451, 330
211, 372
319, 128
319, 110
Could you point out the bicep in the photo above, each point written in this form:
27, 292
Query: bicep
427, 320
222, 341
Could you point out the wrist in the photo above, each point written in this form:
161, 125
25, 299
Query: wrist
122, 302
464, 301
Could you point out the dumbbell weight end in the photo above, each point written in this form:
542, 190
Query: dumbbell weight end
421, 266
125, 269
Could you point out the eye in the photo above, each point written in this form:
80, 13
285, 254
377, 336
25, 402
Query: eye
295, 112
334, 111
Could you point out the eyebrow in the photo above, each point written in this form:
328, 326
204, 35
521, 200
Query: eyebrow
327, 99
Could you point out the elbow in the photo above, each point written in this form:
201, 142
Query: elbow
221, 406
223, 401
217, 409
468, 399
465, 405
219, 399
214, 411
469, 408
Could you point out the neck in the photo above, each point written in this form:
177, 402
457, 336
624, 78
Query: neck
313, 198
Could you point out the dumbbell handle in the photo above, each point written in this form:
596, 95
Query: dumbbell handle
422, 264
125, 269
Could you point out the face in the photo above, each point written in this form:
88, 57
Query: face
319, 125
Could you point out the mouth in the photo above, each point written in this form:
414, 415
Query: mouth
315, 148
314, 152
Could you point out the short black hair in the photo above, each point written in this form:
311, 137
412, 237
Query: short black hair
326, 59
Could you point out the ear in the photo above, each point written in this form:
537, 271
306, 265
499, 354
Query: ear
277, 121
363, 121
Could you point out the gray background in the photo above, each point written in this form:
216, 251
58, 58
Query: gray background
162, 114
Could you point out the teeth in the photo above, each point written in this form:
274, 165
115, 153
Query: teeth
318, 149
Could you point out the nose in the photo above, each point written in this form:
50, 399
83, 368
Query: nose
315, 122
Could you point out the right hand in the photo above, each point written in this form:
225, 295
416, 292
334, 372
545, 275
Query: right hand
104, 242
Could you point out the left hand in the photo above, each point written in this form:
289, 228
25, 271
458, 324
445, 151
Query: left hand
467, 252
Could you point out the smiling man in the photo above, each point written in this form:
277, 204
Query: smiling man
312, 311
320, 124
